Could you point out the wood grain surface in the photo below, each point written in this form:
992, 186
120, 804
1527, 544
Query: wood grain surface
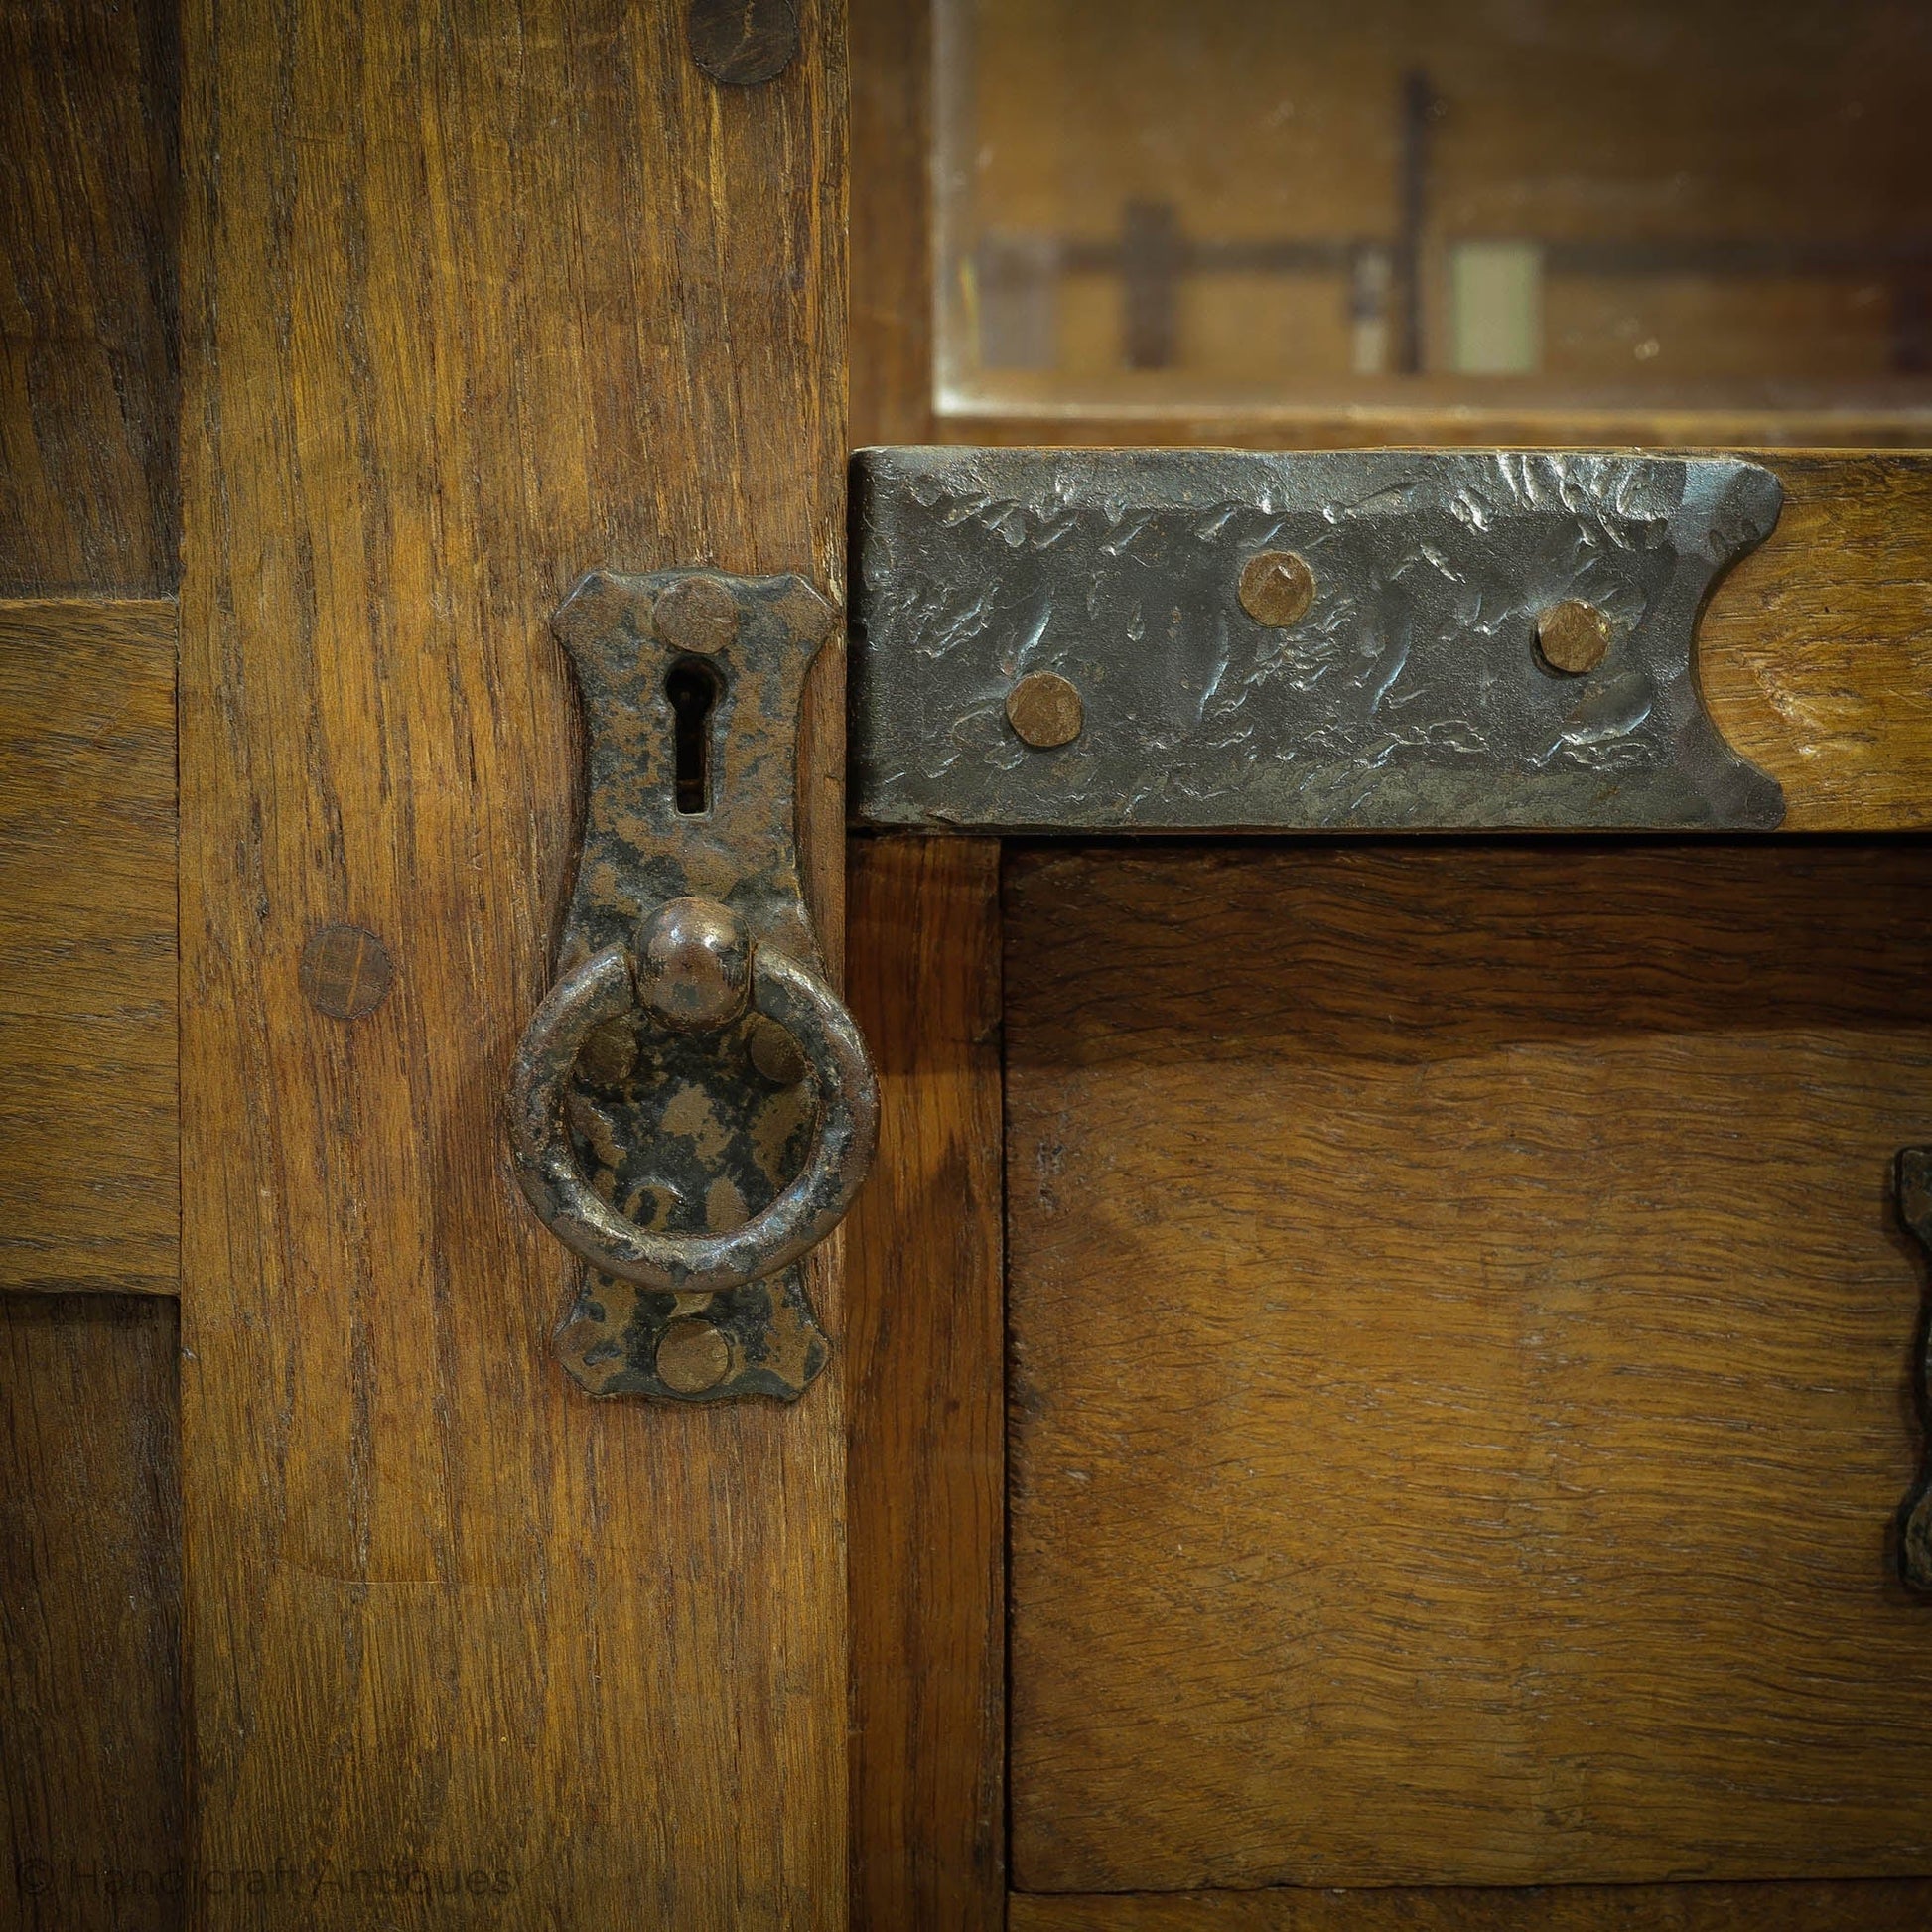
892, 248
91, 1778
927, 1395
1815, 653
91, 1696
1843, 1905
88, 380
1463, 1363
89, 1192
473, 301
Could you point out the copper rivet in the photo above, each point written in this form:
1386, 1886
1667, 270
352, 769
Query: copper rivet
345, 971
1573, 636
1046, 710
1277, 588
692, 1356
698, 614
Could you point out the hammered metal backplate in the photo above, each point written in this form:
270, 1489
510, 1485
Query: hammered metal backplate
1400, 671
687, 1134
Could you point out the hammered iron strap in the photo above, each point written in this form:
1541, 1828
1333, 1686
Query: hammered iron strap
1242, 640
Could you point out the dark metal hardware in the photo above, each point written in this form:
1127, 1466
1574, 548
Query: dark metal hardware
1913, 1180
1358, 641
692, 1108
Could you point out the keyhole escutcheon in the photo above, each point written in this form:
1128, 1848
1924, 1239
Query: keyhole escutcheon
693, 688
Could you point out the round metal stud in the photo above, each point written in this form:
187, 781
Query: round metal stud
1573, 636
1277, 588
698, 614
1046, 710
694, 965
692, 1356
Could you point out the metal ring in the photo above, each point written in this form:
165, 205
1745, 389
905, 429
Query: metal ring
805, 1213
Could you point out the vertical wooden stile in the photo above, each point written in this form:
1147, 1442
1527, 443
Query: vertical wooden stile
473, 301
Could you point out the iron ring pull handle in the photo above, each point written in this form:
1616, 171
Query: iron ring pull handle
695, 970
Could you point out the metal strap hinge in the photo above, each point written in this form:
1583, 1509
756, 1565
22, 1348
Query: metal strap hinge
1165, 640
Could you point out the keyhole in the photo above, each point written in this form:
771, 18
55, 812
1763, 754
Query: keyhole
692, 687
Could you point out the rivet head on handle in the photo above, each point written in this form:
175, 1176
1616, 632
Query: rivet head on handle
700, 616
693, 1357
694, 965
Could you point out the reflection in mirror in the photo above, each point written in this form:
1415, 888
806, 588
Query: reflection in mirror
1517, 205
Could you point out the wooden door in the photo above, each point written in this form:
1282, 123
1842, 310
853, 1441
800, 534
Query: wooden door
1386, 1374
340, 342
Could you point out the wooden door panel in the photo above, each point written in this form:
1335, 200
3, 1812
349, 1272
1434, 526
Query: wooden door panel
1844, 1905
925, 1343
89, 495
1463, 1355
90, 1191
1813, 661
91, 1779
476, 302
